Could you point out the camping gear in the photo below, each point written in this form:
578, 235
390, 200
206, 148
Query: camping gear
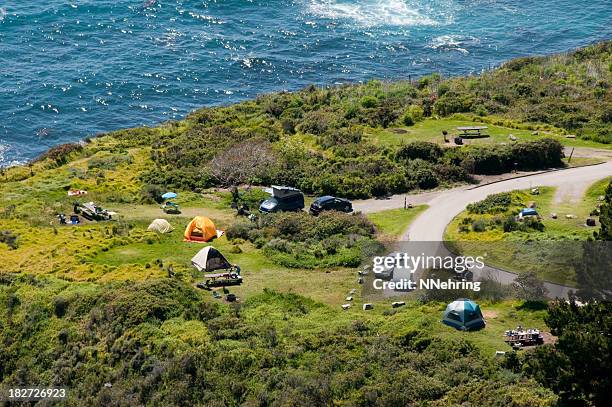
528, 212
210, 259
76, 192
397, 304
201, 229
367, 306
590, 222
346, 306
519, 337
230, 298
171, 208
463, 315
74, 219
160, 226
92, 211
169, 195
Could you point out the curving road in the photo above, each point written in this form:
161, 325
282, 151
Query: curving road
431, 224
445, 205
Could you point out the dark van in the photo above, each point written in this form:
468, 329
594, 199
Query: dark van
283, 199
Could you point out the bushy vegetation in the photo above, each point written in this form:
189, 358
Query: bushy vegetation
577, 367
60, 154
499, 212
162, 343
298, 240
605, 216
494, 203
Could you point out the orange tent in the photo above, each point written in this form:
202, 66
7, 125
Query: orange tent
200, 229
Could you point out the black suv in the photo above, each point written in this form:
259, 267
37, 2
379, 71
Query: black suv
330, 203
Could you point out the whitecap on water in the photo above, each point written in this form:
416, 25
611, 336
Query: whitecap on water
370, 13
4, 163
453, 42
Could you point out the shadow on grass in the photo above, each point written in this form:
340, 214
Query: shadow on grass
533, 306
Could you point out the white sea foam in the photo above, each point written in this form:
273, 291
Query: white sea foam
4, 163
453, 42
370, 13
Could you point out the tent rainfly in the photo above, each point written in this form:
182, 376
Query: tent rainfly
463, 315
210, 259
160, 226
529, 212
201, 229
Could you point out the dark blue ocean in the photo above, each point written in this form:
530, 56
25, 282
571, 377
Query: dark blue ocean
73, 68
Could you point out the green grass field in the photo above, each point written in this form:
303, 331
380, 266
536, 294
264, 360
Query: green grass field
392, 223
431, 130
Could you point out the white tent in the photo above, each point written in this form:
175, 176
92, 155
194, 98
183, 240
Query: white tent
209, 259
160, 226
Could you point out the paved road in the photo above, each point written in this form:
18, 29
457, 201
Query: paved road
431, 224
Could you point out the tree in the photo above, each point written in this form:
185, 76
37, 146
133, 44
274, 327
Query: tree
605, 216
578, 366
529, 287
246, 162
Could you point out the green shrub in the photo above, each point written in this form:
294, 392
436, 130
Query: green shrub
421, 173
369, 102
495, 203
419, 149
479, 225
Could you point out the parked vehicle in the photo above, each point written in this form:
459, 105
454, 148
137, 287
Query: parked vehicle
330, 203
283, 199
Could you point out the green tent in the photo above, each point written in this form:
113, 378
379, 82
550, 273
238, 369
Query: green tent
463, 315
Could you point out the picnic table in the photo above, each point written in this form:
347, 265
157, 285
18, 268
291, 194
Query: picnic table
472, 131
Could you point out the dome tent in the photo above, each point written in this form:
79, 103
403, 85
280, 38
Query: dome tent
160, 226
201, 229
464, 315
210, 259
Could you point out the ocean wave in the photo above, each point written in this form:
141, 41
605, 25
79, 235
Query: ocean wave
370, 13
4, 163
453, 42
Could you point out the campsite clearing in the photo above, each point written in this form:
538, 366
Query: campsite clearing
431, 130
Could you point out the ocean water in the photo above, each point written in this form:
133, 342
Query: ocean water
74, 68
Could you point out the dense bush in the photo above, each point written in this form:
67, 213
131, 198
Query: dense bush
59, 154
110, 348
577, 367
605, 216
494, 203
9, 238
528, 155
296, 239
419, 149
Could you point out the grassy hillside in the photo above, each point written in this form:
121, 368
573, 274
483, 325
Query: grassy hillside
110, 310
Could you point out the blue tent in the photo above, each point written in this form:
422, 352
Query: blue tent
529, 212
463, 315
169, 195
